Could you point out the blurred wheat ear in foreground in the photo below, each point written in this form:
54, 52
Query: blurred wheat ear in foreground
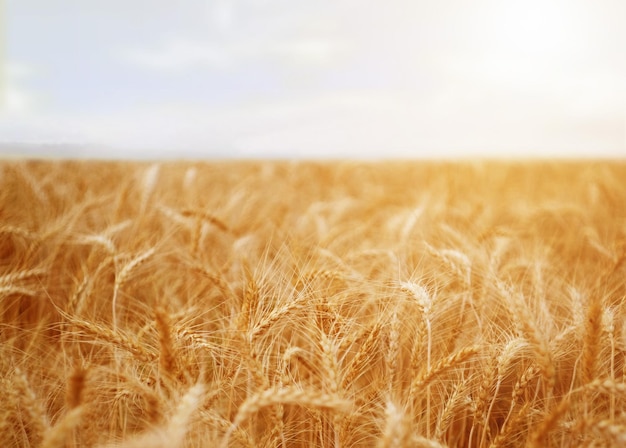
275, 304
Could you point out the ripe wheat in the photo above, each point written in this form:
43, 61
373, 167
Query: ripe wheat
345, 304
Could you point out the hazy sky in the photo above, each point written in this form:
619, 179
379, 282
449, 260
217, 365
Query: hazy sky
341, 78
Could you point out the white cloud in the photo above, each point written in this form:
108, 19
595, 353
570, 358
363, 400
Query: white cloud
183, 55
239, 34
16, 70
180, 55
17, 100
221, 14
311, 51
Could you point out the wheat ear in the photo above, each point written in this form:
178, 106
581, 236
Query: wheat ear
362, 355
393, 350
525, 322
539, 437
441, 367
607, 386
287, 395
510, 425
267, 322
116, 338
75, 386
167, 357
62, 432
172, 435
507, 353
591, 341
518, 390
396, 431
9, 279
34, 410
205, 216
614, 431
123, 275
456, 401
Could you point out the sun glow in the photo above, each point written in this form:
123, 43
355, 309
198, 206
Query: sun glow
534, 28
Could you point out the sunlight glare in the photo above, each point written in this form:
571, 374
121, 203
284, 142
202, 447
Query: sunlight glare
534, 28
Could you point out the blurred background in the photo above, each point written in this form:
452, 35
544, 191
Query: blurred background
313, 78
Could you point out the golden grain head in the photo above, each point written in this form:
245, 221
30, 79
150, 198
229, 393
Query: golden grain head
345, 304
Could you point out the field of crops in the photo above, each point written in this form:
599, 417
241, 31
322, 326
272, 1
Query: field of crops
298, 304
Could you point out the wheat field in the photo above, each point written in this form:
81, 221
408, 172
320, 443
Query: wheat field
297, 304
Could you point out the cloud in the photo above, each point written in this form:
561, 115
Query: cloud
221, 14
180, 55
183, 55
241, 34
18, 100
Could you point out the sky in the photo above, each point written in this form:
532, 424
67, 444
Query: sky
313, 78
